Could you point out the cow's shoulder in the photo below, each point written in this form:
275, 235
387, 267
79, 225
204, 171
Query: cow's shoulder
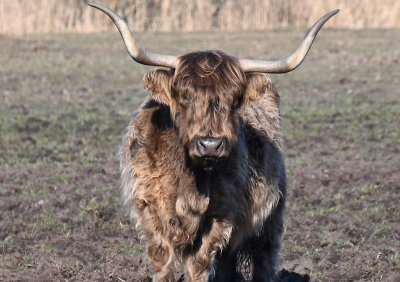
151, 133
154, 115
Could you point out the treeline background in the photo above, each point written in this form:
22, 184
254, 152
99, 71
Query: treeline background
56, 16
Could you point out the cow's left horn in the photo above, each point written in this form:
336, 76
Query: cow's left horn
294, 60
138, 54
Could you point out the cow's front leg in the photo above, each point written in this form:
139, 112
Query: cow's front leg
266, 245
199, 264
159, 248
162, 256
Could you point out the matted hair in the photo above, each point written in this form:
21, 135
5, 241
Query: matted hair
209, 86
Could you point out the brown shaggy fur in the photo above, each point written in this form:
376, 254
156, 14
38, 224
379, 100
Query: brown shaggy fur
199, 221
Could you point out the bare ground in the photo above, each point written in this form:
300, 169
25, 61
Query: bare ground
65, 101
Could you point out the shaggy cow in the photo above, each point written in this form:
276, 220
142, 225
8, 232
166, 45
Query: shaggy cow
202, 165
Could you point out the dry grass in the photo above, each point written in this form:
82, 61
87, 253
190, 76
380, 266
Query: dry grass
54, 16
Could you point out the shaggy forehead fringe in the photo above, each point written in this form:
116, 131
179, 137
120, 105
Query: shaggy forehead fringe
211, 72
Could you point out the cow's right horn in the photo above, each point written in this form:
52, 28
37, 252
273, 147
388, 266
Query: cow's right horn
138, 54
294, 60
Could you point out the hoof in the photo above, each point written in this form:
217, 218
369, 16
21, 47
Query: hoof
288, 276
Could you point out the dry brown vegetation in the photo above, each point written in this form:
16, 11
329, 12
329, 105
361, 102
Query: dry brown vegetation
54, 16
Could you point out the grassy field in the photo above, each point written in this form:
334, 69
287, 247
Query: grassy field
65, 101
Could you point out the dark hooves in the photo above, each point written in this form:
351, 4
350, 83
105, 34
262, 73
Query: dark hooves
238, 278
283, 276
288, 276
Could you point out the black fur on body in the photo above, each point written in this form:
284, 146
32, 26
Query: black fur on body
232, 213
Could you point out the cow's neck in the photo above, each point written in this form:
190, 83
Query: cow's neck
232, 169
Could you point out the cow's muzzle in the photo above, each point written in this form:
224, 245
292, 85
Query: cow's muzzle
207, 147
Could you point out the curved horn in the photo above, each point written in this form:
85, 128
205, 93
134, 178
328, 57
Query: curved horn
294, 60
138, 54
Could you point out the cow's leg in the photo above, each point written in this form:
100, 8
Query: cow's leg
159, 249
265, 247
225, 267
162, 257
199, 263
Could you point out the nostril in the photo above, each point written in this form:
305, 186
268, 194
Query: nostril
201, 144
219, 144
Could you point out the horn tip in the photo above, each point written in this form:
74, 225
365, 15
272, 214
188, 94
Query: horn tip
336, 11
93, 4
101, 8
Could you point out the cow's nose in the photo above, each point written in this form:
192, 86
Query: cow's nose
210, 147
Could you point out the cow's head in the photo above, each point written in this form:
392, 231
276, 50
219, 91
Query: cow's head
204, 93
205, 90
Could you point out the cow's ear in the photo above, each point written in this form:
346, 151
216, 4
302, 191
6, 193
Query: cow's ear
159, 83
257, 85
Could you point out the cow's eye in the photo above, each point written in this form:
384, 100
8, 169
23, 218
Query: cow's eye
184, 101
237, 103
